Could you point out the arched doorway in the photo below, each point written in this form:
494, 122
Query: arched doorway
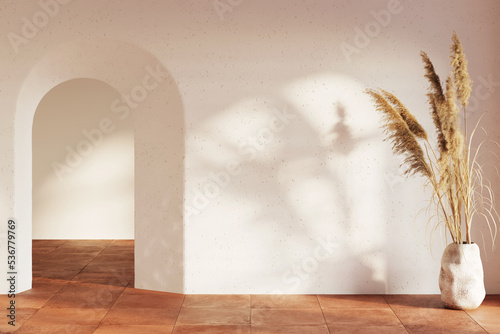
149, 95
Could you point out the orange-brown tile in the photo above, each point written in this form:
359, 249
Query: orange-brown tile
67, 251
217, 301
137, 298
362, 317
114, 257
107, 266
285, 301
114, 278
56, 329
487, 315
42, 284
85, 295
133, 329
87, 243
319, 329
205, 329
56, 274
201, 316
47, 243
287, 317
352, 301
42, 250
22, 315
368, 329
67, 316
433, 320
123, 243
425, 301
32, 299
141, 316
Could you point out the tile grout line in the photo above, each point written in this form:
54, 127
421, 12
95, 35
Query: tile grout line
251, 327
178, 314
323, 314
102, 250
390, 306
100, 322
484, 329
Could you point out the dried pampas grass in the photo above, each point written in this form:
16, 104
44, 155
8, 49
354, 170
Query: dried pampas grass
460, 193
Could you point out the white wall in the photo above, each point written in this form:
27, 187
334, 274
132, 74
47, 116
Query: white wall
83, 164
310, 204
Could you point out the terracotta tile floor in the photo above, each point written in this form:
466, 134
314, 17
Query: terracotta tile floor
87, 287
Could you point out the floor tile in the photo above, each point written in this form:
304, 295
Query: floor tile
487, 316
32, 299
115, 278
362, 317
141, 316
56, 274
368, 329
433, 320
42, 250
85, 295
352, 301
42, 284
133, 329
114, 257
47, 243
200, 316
22, 315
137, 298
287, 317
57, 329
285, 301
103, 243
217, 301
68, 251
123, 242
202, 329
67, 316
319, 329
419, 301
108, 266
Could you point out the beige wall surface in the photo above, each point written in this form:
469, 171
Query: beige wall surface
260, 166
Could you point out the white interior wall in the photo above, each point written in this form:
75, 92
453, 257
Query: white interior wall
313, 204
83, 164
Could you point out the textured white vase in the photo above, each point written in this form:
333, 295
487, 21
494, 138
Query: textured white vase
461, 279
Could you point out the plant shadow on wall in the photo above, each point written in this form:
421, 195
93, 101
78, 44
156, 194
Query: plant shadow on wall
295, 200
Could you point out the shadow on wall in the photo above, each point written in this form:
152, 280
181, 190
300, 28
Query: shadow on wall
300, 203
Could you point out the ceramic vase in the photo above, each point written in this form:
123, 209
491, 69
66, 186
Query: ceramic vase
461, 279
